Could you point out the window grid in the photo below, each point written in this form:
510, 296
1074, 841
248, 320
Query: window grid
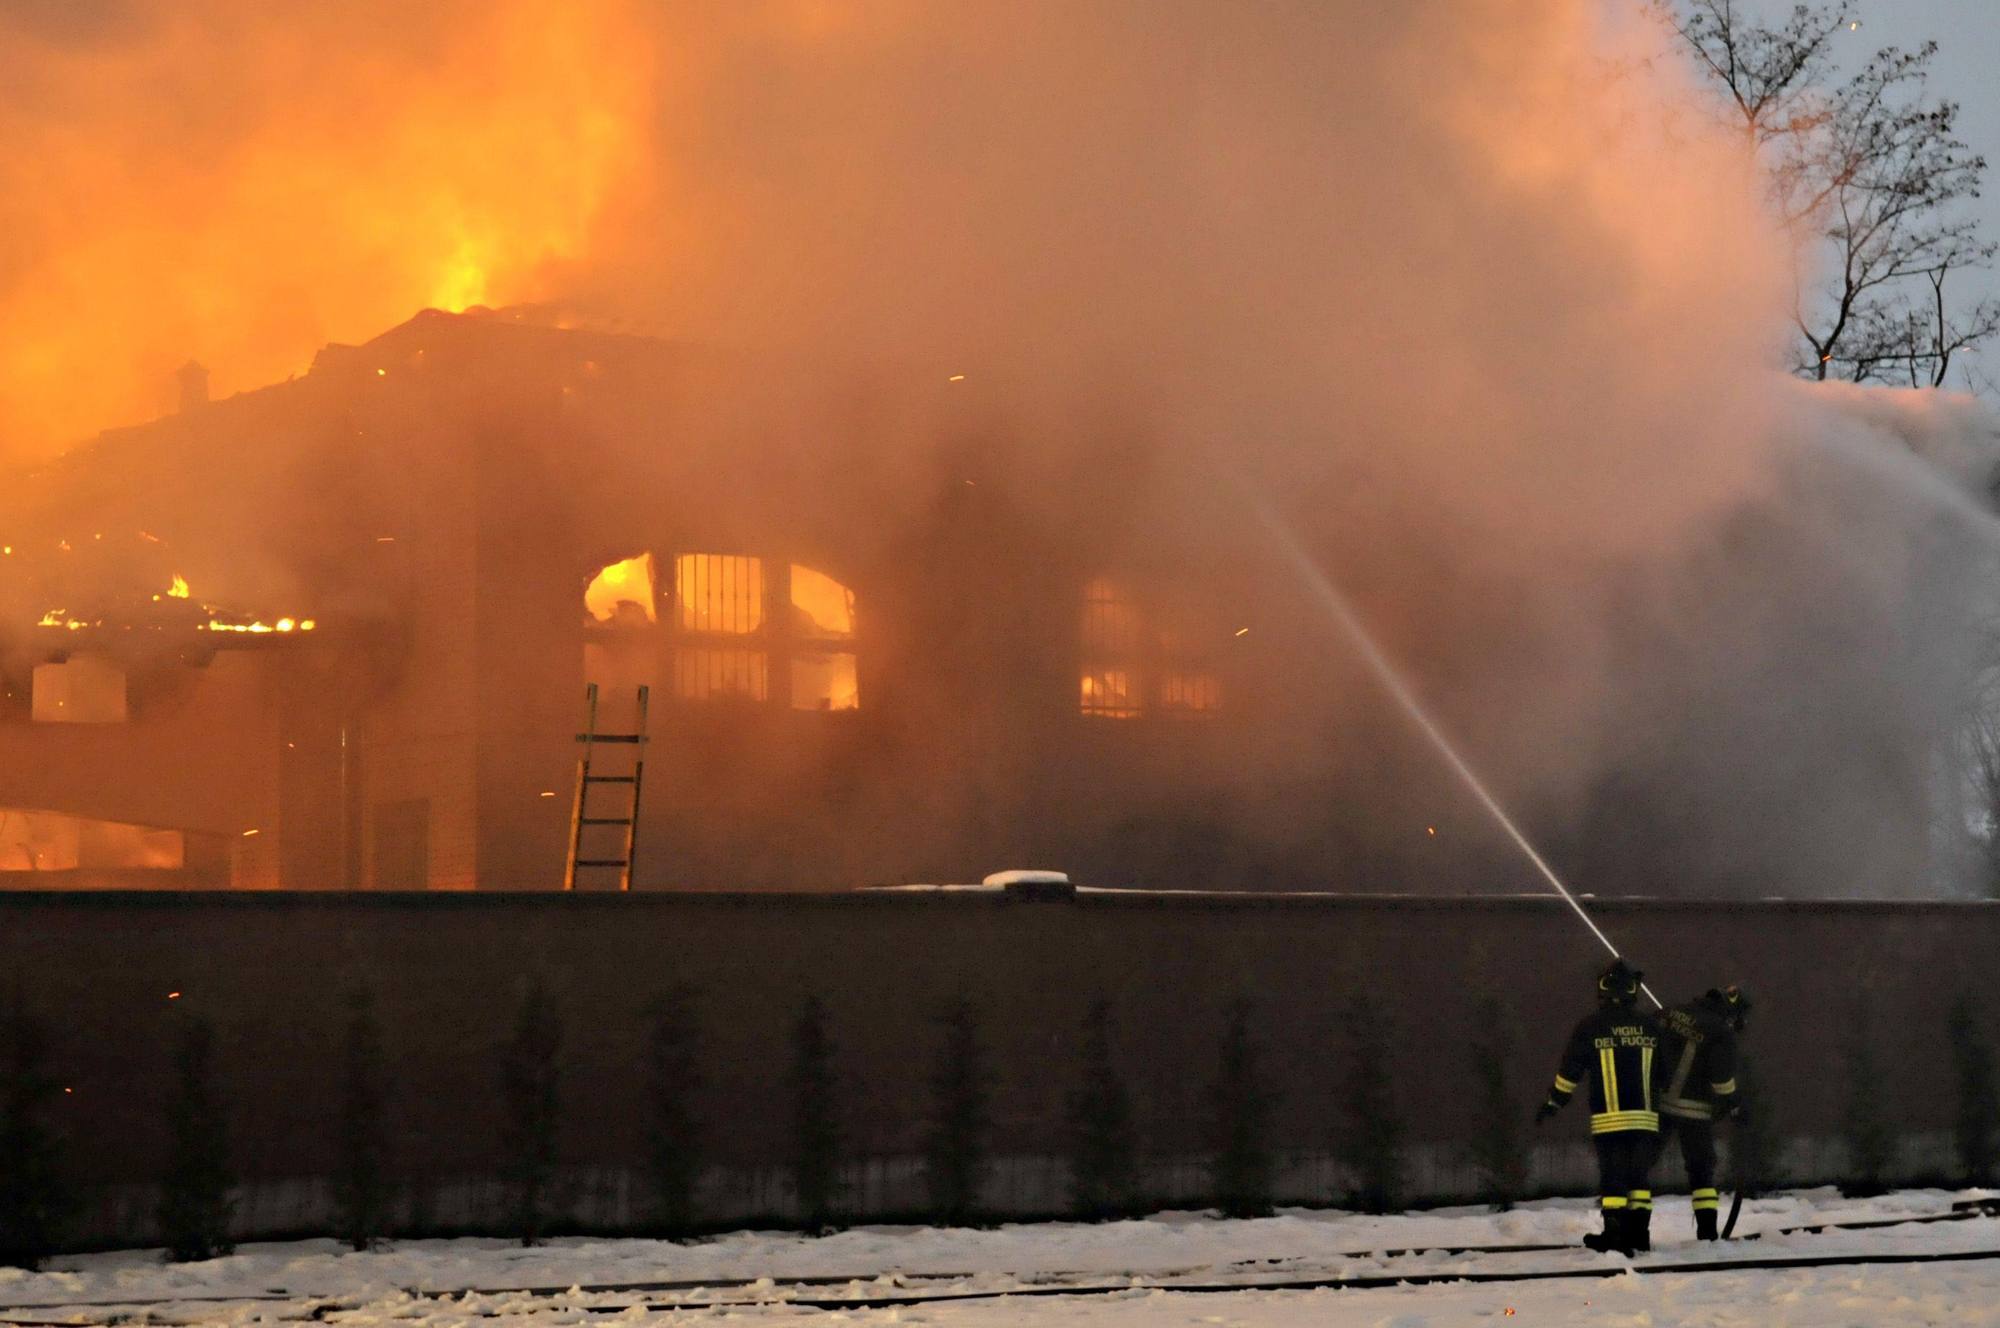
733, 632
1133, 662
1190, 692
719, 592
703, 673
1108, 694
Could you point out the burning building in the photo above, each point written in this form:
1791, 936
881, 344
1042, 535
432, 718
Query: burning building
335, 633
942, 576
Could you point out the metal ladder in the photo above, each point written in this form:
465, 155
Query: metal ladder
580, 818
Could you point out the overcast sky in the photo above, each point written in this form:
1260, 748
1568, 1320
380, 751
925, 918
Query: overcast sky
1968, 71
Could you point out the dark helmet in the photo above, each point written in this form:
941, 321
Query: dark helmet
1733, 1002
1618, 984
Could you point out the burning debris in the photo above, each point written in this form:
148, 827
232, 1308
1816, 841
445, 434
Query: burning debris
260, 628
127, 609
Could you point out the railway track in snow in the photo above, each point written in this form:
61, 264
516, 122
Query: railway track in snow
890, 1290
322, 1311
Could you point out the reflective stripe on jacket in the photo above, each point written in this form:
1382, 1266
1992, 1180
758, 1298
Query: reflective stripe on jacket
1615, 1048
1697, 1060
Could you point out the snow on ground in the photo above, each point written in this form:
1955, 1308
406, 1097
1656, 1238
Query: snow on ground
752, 1275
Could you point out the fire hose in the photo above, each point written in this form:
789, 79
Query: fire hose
1343, 612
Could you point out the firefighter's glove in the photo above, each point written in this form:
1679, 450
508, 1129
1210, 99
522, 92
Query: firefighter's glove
1546, 1110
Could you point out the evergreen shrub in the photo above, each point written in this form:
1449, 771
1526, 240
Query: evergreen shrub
1099, 1119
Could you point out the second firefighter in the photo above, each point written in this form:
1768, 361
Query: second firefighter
1698, 1088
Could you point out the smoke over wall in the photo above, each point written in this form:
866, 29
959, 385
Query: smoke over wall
1464, 284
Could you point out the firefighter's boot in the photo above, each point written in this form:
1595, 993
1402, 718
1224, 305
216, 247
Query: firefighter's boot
1611, 1240
1639, 1229
1704, 1224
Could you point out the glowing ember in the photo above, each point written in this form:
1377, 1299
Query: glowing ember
262, 628
60, 618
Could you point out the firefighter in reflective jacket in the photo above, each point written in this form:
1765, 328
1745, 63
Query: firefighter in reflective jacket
1615, 1048
1697, 1087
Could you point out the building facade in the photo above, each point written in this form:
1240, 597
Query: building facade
335, 634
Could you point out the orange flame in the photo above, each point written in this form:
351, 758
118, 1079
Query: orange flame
263, 628
623, 591
326, 175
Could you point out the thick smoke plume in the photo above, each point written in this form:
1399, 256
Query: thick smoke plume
1468, 287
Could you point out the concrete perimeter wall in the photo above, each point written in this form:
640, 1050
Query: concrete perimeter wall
273, 971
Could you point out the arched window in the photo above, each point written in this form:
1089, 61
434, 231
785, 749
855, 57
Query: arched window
1139, 659
739, 628
623, 593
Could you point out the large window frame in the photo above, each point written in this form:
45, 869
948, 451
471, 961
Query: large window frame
730, 628
1139, 657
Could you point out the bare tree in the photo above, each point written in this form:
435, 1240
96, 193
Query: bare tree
1869, 164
